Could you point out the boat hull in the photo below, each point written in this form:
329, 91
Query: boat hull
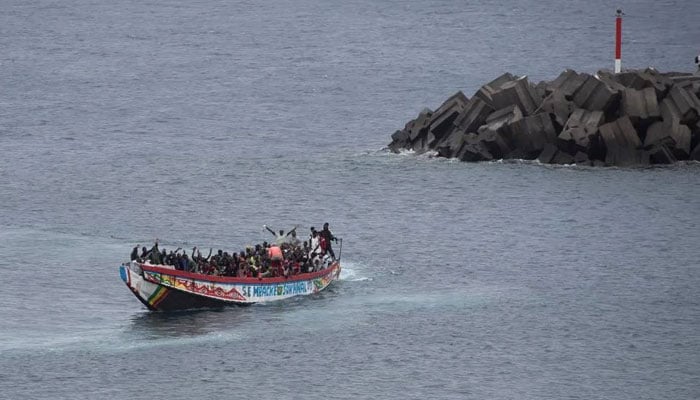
162, 288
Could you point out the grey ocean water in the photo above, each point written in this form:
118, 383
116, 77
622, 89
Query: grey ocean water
196, 122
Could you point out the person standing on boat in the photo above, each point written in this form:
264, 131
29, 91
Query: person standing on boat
135, 253
326, 238
280, 238
293, 239
276, 259
314, 244
155, 254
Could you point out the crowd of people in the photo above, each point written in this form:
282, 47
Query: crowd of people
287, 255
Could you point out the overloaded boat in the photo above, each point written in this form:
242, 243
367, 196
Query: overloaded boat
262, 273
164, 288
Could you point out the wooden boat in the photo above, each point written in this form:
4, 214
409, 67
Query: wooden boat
164, 288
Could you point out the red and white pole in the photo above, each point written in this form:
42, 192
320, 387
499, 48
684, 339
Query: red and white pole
618, 41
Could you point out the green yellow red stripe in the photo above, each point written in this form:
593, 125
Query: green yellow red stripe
157, 296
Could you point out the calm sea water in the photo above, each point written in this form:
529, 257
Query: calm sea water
198, 122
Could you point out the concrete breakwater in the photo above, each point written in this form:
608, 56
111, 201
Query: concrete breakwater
634, 118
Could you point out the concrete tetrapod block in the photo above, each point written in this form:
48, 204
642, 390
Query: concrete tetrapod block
495, 135
399, 140
692, 86
547, 154
418, 131
669, 111
640, 105
419, 126
412, 132
473, 149
579, 131
495, 142
541, 89
562, 158
517, 154
648, 78
684, 77
516, 92
622, 143
485, 93
451, 145
674, 135
558, 106
441, 122
609, 78
581, 158
594, 95
567, 83
532, 133
694, 135
551, 155
499, 120
473, 115
695, 154
685, 102
659, 133
658, 81
535, 93
661, 154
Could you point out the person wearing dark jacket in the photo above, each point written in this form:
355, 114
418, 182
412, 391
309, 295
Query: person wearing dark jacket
327, 237
155, 254
144, 253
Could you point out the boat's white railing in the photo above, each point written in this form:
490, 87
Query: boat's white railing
135, 267
165, 266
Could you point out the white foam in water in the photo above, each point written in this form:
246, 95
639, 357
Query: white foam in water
176, 341
352, 272
458, 298
113, 343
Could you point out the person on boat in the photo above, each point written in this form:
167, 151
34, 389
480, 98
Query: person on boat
281, 237
326, 238
188, 264
144, 253
135, 253
242, 265
316, 263
302, 255
276, 258
164, 256
155, 254
218, 257
171, 258
293, 240
314, 241
179, 262
199, 261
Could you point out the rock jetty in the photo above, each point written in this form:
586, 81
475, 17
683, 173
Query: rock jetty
633, 118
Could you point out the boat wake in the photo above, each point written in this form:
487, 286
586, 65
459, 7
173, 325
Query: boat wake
353, 272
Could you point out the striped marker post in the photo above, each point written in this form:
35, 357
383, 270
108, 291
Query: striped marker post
618, 41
